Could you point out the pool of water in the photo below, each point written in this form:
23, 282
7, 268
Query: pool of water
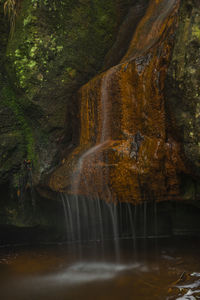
151, 269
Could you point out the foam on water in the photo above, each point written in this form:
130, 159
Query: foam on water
83, 272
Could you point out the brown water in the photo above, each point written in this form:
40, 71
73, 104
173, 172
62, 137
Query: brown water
162, 269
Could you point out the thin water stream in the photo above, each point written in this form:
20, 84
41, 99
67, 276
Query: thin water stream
102, 140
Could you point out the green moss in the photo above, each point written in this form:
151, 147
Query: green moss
10, 100
51, 36
182, 86
57, 46
196, 31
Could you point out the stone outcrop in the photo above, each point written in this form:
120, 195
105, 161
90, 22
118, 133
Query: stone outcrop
182, 91
55, 47
126, 151
131, 124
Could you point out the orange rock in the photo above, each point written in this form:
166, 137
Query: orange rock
125, 151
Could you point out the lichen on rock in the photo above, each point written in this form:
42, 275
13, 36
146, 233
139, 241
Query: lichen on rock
182, 83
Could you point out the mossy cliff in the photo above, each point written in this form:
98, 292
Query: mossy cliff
183, 90
55, 47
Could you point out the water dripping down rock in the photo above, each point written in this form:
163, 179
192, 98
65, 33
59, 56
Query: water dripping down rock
126, 152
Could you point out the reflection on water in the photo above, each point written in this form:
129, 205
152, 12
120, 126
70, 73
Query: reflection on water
163, 269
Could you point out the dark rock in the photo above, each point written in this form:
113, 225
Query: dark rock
135, 145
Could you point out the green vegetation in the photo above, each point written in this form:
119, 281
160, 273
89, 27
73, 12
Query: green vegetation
60, 42
9, 99
56, 47
49, 48
182, 86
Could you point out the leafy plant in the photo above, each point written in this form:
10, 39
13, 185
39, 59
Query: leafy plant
9, 99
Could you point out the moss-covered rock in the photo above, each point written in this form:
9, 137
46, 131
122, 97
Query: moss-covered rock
58, 45
182, 84
55, 47
12, 146
29, 220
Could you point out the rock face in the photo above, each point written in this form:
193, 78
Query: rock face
130, 126
56, 47
126, 151
182, 83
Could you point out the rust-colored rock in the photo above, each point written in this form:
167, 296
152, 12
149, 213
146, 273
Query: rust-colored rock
125, 151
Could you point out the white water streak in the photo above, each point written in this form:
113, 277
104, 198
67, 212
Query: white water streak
105, 130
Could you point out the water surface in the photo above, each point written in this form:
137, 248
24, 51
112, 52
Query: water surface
162, 269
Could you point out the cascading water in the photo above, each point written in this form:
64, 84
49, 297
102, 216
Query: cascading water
102, 139
106, 106
126, 159
88, 221
123, 140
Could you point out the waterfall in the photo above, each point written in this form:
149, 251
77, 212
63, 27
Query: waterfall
91, 210
123, 131
114, 219
105, 133
93, 219
132, 218
124, 143
106, 106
